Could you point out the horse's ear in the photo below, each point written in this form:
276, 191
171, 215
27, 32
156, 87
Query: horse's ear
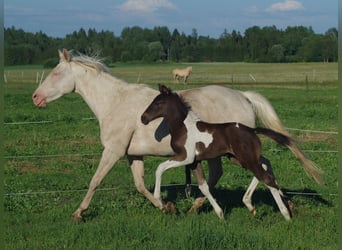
64, 55
61, 57
164, 90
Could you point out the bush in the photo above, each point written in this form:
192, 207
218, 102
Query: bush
50, 63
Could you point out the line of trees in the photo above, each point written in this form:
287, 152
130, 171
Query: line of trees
257, 44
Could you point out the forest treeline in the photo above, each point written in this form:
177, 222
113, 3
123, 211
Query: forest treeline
136, 44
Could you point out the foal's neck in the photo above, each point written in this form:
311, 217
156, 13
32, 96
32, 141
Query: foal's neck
176, 119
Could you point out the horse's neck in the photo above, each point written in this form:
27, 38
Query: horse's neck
99, 91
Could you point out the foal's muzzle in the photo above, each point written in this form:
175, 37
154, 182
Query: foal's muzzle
144, 120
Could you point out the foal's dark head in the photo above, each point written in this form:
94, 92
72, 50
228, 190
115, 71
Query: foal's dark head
167, 104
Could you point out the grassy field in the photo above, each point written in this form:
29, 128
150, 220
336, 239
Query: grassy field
49, 165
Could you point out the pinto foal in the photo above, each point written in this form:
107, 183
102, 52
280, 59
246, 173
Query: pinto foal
193, 140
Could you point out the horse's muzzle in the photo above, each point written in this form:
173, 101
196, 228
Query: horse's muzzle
39, 100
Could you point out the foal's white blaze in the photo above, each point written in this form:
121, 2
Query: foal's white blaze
194, 135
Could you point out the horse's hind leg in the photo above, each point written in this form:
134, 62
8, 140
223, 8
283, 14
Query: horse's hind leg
188, 179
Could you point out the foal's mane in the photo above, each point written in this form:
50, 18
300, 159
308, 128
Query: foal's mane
94, 62
183, 101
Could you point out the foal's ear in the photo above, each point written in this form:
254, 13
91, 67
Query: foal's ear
164, 90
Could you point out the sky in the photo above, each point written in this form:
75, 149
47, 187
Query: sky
208, 17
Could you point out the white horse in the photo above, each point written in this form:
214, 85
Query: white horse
185, 73
119, 105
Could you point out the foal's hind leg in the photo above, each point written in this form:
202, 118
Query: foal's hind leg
247, 198
265, 174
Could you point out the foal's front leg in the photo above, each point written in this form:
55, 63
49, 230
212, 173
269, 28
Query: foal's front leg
159, 172
203, 186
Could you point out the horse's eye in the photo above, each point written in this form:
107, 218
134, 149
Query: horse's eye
55, 73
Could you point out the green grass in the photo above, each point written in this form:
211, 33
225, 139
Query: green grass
41, 193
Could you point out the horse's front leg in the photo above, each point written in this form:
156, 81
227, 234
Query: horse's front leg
137, 167
107, 161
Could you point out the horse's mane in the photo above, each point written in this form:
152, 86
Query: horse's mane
94, 62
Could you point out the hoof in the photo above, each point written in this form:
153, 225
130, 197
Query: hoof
221, 215
76, 218
253, 212
197, 204
193, 209
291, 207
169, 207
188, 191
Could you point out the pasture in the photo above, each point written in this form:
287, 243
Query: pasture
51, 155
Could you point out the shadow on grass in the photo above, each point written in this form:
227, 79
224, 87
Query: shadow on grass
229, 199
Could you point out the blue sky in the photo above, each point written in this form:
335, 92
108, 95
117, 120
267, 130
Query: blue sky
208, 17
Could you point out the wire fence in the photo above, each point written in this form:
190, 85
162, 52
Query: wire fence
92, 154
98, 153
306, 76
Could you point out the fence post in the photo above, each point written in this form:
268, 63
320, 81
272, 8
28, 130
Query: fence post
306, 83
41, 78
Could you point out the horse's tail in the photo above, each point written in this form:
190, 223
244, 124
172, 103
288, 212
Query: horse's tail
269, 118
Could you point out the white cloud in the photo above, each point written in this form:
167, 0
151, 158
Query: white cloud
288, 5
146, 6
252, 9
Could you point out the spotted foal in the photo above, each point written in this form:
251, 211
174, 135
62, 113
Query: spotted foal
193, 140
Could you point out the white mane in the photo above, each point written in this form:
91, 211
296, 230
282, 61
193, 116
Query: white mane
93, 62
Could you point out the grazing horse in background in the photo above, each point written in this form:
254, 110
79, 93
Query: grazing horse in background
185, 73
193, 140
118, 106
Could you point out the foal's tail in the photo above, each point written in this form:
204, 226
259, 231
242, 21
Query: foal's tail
269, 118
281, 139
